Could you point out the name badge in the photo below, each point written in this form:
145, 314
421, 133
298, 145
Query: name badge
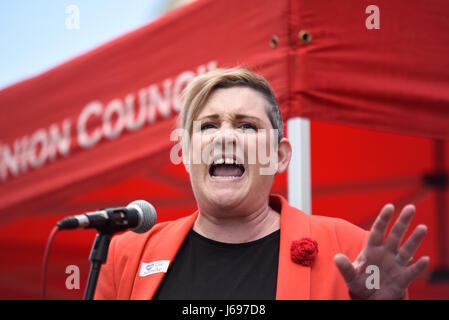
153, 267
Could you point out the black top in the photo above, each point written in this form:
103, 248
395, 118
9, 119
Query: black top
207, 269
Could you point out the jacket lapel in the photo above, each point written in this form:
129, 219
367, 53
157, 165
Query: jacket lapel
163, 246
293, 281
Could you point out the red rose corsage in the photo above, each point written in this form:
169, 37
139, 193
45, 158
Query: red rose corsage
304, 251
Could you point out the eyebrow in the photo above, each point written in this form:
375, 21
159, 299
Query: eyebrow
236, 117
243, 116
210, 117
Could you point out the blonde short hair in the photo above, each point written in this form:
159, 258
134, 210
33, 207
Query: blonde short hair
201, 87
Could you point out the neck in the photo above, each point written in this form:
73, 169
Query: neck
255, 225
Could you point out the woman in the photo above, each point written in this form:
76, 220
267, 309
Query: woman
244, 243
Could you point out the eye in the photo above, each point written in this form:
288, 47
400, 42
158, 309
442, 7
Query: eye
247, 126
207, 126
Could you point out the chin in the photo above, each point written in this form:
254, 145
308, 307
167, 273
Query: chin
226, 200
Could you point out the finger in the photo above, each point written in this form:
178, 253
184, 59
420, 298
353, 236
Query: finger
345, 267
399, 228
412, 243
377, 233
415, 270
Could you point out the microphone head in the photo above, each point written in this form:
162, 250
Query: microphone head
147, 215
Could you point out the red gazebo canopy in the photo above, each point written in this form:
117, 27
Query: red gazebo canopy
95, 131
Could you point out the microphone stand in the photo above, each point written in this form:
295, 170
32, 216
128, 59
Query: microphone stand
99, 251
98, 256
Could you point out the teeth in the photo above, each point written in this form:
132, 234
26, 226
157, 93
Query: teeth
219, 161
225, 161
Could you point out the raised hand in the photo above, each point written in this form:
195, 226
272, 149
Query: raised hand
393, 263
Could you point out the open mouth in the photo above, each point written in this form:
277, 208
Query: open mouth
226, 168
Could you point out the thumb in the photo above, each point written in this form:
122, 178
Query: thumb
345, 267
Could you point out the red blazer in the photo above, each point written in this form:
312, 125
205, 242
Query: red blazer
120, 277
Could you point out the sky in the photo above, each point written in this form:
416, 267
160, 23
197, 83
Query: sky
36, 35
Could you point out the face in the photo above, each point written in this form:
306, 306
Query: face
229, 175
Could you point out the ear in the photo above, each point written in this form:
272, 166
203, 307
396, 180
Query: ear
187, 167
186, 162
185, 154
284, 154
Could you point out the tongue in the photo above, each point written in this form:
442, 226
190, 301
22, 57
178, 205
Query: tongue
227, 171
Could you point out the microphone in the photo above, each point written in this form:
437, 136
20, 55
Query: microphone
138, 215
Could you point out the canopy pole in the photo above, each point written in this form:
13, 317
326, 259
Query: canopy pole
298, 177
439, 181
440, 202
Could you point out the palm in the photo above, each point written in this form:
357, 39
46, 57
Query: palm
393, 274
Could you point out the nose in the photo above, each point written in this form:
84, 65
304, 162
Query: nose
225, 140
